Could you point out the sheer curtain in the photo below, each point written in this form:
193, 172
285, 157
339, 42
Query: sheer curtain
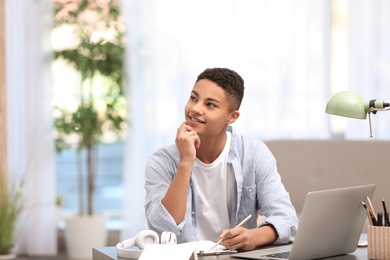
29, 121
369, 63
279, 47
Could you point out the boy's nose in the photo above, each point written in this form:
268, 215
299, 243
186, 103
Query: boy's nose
197, 108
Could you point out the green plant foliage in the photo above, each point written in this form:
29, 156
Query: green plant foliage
11, 205
98, 56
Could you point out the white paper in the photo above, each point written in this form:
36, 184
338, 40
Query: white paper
205, 246
178, 252
169, 252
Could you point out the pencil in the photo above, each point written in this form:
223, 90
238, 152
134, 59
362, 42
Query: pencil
239, 225
368, 213
385, 213
372, 208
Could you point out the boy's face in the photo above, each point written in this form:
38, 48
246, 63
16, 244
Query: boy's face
207, 110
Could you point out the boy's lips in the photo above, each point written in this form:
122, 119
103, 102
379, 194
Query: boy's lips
196, 120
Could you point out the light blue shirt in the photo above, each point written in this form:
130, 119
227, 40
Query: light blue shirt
258, 189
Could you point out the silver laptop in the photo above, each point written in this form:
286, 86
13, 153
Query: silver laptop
331, 223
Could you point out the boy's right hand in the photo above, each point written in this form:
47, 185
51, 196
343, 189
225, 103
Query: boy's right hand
187, 140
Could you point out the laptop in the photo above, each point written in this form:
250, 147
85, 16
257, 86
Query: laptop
331, 223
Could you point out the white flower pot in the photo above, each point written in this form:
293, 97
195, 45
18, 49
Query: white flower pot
82, 233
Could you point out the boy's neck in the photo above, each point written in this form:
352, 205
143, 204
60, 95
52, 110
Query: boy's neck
211, 148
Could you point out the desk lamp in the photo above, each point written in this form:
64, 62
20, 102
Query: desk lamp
349, 104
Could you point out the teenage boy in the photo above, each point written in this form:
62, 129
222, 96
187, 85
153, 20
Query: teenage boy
209, 181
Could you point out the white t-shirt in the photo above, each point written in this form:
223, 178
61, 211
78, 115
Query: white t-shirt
213, 195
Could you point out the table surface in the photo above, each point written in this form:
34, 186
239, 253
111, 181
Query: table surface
109, 253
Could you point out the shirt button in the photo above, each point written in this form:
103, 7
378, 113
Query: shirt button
250, 189
193, 213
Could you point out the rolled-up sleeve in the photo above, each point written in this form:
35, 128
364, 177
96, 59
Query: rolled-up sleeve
273, 200
159, 173
259, 170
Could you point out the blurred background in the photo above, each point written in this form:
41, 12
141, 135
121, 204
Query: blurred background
90, 88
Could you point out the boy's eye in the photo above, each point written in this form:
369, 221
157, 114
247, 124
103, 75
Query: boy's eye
211, 105
192, 98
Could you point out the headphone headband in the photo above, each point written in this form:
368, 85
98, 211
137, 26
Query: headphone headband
132, 247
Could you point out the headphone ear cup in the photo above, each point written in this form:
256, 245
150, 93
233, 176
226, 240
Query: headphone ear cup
146, 237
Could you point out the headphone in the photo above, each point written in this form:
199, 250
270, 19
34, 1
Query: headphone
143, 238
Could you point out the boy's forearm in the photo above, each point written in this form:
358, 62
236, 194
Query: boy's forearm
175, 200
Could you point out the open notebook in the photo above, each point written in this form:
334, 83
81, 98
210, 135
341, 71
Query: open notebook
330, 224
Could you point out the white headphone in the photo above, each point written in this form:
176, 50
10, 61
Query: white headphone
168, 238
143, 238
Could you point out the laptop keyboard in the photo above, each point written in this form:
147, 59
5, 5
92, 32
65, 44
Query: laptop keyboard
283, 255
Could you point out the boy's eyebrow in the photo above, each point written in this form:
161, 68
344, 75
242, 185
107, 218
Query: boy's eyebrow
209, 99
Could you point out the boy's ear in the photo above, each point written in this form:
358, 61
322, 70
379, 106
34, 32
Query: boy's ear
233, 116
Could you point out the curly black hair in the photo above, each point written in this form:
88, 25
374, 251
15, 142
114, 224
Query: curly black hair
230, 81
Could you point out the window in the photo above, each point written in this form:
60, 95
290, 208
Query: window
109, 188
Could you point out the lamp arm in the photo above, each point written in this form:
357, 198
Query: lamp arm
372, 109
376, 106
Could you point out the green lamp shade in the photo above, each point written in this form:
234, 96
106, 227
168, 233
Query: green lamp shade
347, 104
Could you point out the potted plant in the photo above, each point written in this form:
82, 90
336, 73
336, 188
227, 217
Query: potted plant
11, 205
97, 54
